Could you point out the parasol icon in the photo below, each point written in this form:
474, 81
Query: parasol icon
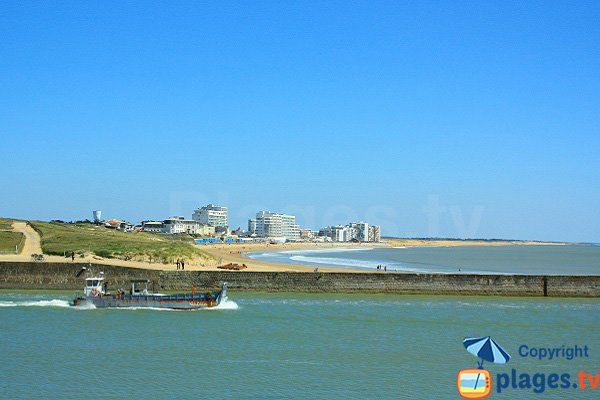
486, 349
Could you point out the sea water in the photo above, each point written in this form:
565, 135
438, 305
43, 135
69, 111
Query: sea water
285, 346
509, 259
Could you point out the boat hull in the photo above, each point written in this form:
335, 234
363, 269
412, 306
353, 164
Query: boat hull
179, 301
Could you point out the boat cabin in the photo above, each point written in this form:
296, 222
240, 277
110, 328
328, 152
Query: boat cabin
139, 287
94, 286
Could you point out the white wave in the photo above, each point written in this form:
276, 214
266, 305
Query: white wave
258, 255
283, 254
319, 251
225, 304
39, 303
85, 306
347, 262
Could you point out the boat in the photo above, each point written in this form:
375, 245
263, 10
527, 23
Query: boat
95, 294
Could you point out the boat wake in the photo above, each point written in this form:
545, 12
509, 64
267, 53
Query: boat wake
39, 303
225, 304
85, 306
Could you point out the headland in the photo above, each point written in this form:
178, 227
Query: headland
18, 271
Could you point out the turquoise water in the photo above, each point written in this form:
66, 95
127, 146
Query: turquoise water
281, 346
512, 259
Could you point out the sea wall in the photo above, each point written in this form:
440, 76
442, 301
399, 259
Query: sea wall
29, 275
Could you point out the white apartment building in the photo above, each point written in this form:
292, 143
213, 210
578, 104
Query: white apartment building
374, 233
269, 224
338, 233
360, 231
211, 215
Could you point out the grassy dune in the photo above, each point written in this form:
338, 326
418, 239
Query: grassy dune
6, 224
8, 241
8, 238
60, 238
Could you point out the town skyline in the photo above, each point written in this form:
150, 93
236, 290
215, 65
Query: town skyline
211, 220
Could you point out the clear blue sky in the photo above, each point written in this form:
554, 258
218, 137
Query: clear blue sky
444, 118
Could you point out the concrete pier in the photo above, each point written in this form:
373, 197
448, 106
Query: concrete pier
32, 275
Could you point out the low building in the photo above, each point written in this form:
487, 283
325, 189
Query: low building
176, 225
119, 225
179, 224
308, 234
152, 226
205, 230
221, 230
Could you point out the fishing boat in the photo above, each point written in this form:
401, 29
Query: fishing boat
95, 293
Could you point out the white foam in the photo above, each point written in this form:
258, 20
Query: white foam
284, 253
328, 250
39, 303
347, 262
225, 304
87, 305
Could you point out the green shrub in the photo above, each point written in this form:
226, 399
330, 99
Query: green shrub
59, 237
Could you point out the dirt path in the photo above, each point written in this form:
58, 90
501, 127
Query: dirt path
32, 243
32, 239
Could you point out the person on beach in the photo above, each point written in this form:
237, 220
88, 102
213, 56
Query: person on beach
178, 262
72, 256
182, 263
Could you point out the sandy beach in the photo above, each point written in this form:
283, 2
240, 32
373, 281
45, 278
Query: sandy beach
234, 253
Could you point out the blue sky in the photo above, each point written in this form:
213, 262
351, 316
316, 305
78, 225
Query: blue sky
454, 119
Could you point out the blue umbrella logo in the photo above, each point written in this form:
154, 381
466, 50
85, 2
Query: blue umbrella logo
487, 350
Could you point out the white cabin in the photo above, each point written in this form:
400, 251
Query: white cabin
139, 287
94, 286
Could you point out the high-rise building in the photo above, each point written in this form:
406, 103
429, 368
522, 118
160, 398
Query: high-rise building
211, 215
374, 233
360, 231
269, 224
354, 231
